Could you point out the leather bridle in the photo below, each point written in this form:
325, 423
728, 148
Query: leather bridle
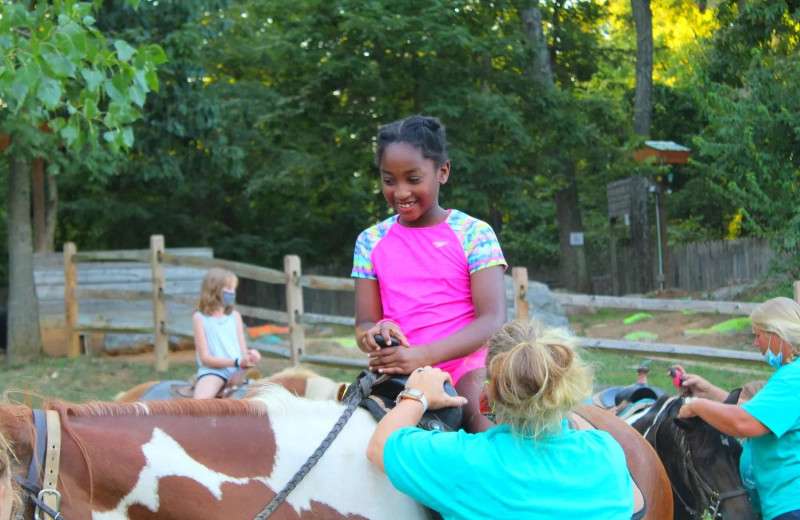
46, 456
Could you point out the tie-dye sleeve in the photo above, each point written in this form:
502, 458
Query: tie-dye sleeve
482, 247
362, 257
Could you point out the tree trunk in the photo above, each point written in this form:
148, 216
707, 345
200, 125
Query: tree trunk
37, 181
574, 270
24, 336
51, 215
643, 103
541, 69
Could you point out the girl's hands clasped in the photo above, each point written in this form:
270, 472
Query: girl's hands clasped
397, 360
388, 330
252, 358
430, 381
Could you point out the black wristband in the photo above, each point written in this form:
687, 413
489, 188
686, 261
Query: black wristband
237, 363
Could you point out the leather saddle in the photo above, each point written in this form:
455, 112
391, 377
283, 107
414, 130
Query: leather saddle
384, 394
617, 395
235, 383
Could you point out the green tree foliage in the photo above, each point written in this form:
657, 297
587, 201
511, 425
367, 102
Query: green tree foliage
64, 88
749, 148
182, 177
260, 142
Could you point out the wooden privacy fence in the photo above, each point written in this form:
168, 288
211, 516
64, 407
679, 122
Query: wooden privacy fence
294, 316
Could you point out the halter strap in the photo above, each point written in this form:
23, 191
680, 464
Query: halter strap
37, 460
47, 455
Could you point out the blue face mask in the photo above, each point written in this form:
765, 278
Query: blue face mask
228, 298
770, 358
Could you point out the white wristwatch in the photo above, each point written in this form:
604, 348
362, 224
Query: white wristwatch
416, 395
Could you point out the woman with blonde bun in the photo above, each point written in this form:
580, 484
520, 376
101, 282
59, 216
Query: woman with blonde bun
771, 419
531, 465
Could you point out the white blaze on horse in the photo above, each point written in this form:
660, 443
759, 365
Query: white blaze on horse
211, 459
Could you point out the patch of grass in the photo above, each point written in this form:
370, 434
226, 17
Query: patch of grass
641, 335
101, 378
84, 378
637, 317
726, 327
620, 370
581, 322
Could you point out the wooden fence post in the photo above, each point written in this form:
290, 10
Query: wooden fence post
159, 303
519, 276
797, 291
294, 306
70, 302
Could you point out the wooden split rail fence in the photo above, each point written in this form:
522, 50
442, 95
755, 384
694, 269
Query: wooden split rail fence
294, 316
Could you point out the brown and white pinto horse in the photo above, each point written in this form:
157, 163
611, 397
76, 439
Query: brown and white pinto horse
211, 459
643, 463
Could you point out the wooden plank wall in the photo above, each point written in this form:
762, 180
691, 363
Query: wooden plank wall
709, 265
128, 276
701, 266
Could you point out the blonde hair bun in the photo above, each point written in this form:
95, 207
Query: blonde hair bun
536, 375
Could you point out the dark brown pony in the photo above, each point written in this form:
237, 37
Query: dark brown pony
702, 463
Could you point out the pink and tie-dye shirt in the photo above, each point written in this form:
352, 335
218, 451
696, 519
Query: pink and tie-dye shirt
424, 277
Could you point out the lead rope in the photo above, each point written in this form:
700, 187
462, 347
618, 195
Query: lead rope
365, 381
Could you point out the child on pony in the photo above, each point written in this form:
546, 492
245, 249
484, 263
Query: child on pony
429, 277
219, 334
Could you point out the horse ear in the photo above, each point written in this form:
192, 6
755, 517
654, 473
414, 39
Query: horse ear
733, 397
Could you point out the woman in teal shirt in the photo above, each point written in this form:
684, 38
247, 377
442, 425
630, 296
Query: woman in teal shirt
771, 419
531, 465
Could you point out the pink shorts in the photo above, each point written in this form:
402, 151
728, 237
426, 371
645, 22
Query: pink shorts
460, 366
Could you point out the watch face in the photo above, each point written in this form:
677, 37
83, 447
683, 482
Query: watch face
413, 393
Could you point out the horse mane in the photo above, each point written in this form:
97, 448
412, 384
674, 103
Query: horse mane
298, 372
191, 407
279, 401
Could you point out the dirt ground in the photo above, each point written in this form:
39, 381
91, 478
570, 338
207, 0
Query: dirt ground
668, 327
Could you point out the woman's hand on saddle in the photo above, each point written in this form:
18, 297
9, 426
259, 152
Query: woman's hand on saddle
388, 330
430, 381
397, 360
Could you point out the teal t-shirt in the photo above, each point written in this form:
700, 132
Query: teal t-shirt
776, 455
579, 475
748, 475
